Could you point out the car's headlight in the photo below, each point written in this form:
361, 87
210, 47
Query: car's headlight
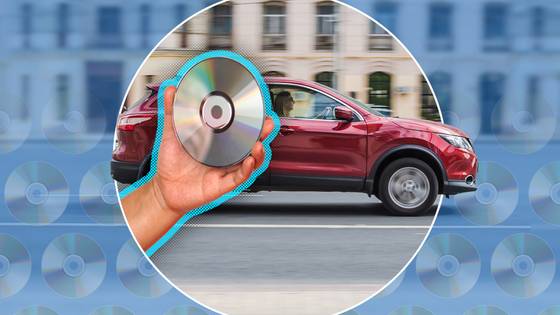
458, 142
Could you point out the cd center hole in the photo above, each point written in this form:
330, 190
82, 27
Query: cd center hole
216, 112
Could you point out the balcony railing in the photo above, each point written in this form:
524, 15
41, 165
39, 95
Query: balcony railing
380, 42
324, 42
274, 42
220, 41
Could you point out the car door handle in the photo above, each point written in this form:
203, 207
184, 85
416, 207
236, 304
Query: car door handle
285, 130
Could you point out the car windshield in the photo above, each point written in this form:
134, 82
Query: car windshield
367, 107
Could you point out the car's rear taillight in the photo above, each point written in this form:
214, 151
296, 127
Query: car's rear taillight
128, 123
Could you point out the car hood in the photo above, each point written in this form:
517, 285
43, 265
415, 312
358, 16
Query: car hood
428, 126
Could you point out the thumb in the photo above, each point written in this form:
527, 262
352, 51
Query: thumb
168, 97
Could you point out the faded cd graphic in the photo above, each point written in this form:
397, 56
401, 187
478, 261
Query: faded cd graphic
111, 310
466, 118
186, 310
36, 192
523, 265
544, 192
98, 195
553, 310
74, 130
448, 265
485, 310
73, 265
15, 266
13, 133
36, 310
138, 274
392, 287
218, 112
411, 310
495, 199
527, 130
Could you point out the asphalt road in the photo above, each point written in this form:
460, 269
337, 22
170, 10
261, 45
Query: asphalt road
290, 253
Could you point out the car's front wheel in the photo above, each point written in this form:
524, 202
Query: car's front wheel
408, 186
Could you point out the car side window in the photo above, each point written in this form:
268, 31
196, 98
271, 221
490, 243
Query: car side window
298, 102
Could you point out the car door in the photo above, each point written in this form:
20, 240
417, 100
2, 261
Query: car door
314, 150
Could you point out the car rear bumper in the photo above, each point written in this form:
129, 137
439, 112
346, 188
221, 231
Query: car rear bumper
454, 187
124, 172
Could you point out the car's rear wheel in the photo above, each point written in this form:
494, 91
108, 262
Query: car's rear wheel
408, 186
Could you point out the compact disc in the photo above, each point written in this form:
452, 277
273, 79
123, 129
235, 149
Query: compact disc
527, 130
111, 310
73, 265
186, 310
523, 265
411, 310
495, 198
485, 310
13, 132
73, 129
98, 195
448, 265
36, 310
544, 192
15, 266
36, 192
138, 274
553, 310
218, 112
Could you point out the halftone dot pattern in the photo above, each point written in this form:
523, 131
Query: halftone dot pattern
36, 310
485, 310
157, 142
185, 310
74, 265
411, 310
138, 274
36, 192
111, 310
15, 266
73, 130
98, 195
544, 192
523, 265
494, 200
448, 265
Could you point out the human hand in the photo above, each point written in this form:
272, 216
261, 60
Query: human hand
181, 183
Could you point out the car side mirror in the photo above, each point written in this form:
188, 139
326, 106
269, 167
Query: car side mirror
343, 113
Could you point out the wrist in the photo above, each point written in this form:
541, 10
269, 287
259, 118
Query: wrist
159, 198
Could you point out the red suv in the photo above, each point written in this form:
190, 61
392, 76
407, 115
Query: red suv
330, 142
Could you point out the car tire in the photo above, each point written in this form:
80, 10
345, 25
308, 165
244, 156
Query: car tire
408, 187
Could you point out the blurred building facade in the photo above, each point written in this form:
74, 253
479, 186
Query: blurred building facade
490, 62
312, 40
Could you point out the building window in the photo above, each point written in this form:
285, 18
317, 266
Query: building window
180, 10
62, 96
274, 74
442, 83
325, 26
25, 91
440, 31
429, 109
145, 25
380, 90
63, 14
221, 26
496, 37
325, 78
491, 87
379, 39
274, 21
533, 97
386, 14
26, 23
109, 28
538, 17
